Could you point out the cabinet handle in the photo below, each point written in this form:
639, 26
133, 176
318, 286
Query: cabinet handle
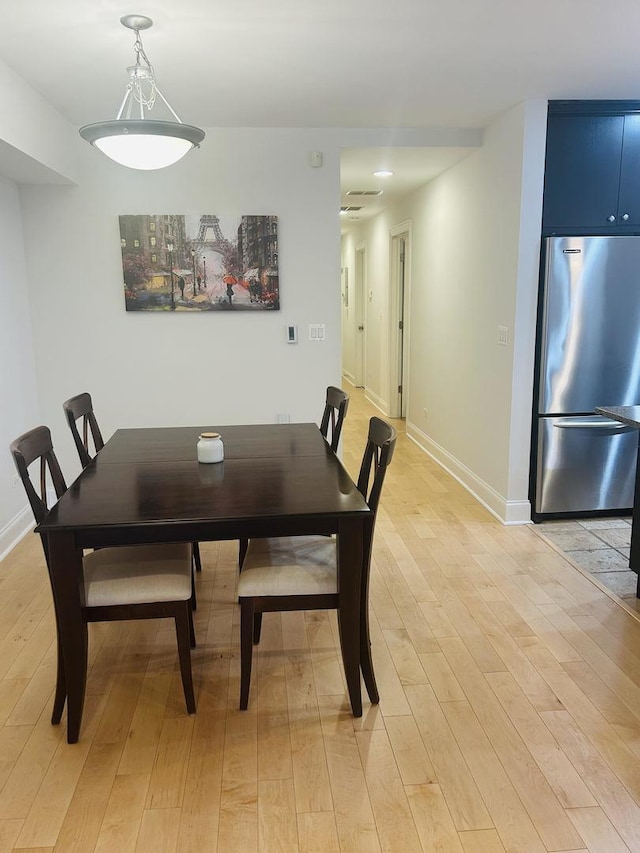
625, 217
611, 218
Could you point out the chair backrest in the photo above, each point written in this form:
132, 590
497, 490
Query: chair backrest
26, 449
335, 410
82, 407
378, 453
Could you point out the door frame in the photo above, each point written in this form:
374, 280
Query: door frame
399, 309
360, 314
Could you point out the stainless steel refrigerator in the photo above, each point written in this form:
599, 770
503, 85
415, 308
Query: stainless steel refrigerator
589, 355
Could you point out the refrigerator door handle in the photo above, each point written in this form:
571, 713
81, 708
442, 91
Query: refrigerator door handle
600, 424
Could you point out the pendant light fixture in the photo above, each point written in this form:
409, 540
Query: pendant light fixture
132, 139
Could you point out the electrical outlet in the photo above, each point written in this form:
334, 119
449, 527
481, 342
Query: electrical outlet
424, 412
284, 418
15, 480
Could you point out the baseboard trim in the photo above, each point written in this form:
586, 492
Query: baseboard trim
376, 401
14, 531
349, 377
507, 512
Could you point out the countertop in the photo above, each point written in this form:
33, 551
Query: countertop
629, 415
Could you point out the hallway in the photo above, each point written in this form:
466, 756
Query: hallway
509, 715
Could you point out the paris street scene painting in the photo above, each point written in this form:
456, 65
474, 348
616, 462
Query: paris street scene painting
200, 263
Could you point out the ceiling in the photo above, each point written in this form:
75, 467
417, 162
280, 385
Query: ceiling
411, 167
360, 63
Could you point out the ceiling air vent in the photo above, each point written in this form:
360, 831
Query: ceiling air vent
350, 209
364, 192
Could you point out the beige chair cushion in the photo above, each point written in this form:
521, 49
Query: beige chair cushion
138, 574
289, 565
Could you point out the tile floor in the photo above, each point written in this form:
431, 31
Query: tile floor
599, 545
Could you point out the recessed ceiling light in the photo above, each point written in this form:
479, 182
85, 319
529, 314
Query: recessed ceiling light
383, 173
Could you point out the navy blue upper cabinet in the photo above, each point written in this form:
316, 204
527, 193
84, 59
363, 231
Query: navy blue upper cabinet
629, 198
582, 171
592, 171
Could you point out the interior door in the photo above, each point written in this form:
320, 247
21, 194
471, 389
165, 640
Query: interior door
398, 338
401, 322
359, 307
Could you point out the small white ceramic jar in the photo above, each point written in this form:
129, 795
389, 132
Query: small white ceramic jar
210, 447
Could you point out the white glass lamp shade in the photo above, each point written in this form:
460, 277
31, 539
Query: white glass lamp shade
143, 143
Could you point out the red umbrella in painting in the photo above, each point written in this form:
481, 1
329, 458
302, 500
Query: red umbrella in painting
229, 280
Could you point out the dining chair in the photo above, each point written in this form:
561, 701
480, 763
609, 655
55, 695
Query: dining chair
81, 407
335, 410
300, 572
132, 582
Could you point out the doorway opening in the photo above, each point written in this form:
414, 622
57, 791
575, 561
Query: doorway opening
360, 307
400, 253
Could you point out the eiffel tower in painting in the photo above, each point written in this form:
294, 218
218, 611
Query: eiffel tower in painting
210, 235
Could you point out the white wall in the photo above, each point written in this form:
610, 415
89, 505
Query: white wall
36, 143
475, 237
535, 131
18, 386
348, 261
171, 369
214, 368
208, 369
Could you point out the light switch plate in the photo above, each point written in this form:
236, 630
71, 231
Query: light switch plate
316, 332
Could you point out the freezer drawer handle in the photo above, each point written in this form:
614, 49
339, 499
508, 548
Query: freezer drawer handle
604, 423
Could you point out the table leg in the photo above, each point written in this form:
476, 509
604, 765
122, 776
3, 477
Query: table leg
349, 553
634, 553
66, 570
366, 661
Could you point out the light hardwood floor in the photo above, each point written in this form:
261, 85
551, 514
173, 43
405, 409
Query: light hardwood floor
509, 717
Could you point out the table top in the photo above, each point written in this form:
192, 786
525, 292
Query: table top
629, 415
246, 441
151, 478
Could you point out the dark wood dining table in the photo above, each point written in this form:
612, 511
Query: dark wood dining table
146, 486
630, 416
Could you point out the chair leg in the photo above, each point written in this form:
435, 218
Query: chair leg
61, 689
257, 628
246, 649
184, 654
366, 662
194, 600
196, 556
243, 544
242, 551
192, 633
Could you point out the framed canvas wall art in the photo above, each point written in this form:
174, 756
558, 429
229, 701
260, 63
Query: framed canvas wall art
200, 263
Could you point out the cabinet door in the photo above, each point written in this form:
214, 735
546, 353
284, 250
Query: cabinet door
629, 199
582, 171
